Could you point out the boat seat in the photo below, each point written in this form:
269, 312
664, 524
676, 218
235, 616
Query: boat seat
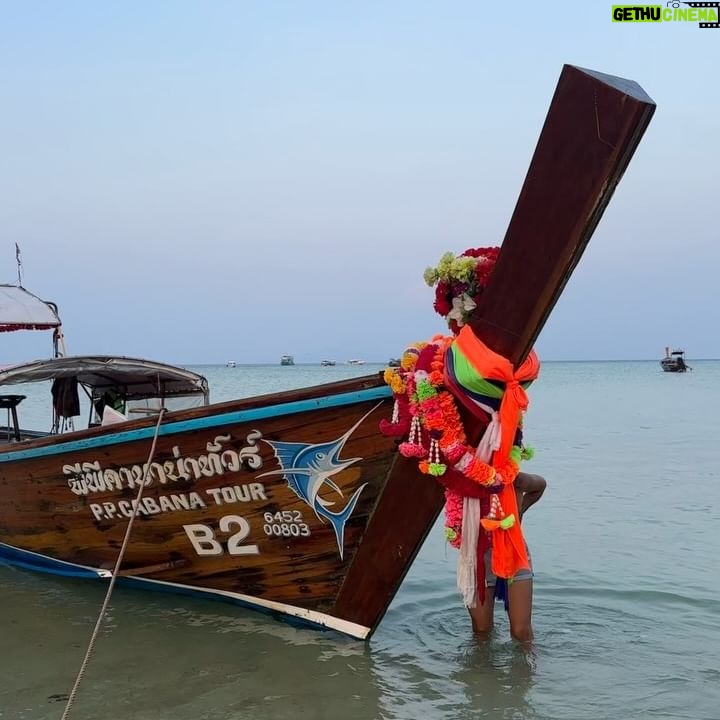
112, 416
10, 403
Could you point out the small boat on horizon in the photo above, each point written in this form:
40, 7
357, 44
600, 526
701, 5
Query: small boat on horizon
327, 363
394, 362
287, 360
674, 361
355, 362
231, 364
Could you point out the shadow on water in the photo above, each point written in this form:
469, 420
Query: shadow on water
428, 663
160, 656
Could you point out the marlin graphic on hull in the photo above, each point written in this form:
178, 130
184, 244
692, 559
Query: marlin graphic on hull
308, 467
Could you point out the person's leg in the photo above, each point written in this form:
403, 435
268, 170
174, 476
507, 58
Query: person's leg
482, 615
520, 609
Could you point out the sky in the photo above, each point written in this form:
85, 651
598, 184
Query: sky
196, 182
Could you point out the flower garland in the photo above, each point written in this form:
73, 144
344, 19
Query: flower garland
400, 423
460, 283
454, 502
437, 437
434, 410
426, 411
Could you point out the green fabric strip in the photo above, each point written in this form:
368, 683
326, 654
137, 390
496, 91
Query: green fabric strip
468, 377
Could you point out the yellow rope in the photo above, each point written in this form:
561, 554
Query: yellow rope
116, 570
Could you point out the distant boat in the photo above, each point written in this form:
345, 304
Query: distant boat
394, 362
230, 363
355, 362
674, 361
327, 363
287, 360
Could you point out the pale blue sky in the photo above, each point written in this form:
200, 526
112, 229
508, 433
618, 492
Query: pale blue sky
203, 181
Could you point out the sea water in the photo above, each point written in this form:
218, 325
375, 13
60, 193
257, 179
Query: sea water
625, 544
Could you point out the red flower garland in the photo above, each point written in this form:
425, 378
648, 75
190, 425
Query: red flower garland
447, 288
436, 428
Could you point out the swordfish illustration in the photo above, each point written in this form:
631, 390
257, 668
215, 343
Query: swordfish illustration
307, 468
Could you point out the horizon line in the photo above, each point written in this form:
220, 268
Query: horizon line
314, 363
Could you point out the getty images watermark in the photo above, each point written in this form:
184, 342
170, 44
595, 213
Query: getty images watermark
703, 13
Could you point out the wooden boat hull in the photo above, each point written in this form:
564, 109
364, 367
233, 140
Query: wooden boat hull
671, 365
222, 510
257, 500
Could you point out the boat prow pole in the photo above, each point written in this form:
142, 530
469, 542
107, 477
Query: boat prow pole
592, 129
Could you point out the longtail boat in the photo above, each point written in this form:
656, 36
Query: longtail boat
674, 361
293, 503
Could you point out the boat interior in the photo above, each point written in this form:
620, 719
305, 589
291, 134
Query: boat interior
103, 389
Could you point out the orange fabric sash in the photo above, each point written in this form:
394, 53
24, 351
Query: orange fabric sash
509, 553
492, 366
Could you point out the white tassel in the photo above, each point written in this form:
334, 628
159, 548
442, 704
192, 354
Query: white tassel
467, 559
490, 440
434, 454
395, 413
415, 431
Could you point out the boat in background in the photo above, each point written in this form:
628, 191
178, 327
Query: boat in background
327, 363
674, 361
355, 362
394, 362
294, 502
21, 310
287, 360
231, 364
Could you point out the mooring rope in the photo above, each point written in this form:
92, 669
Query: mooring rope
116, 570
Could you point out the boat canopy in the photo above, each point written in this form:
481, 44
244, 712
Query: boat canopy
134, 378
21, 310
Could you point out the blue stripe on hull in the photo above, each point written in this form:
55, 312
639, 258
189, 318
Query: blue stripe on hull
34, 562
231, 418
41, 563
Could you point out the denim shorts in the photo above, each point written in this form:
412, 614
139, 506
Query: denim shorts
491, 579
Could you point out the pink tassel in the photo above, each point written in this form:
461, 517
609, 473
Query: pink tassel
413, 447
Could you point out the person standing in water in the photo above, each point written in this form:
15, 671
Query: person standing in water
460, 406
528, 489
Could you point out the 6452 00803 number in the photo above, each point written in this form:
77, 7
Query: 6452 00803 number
285, 523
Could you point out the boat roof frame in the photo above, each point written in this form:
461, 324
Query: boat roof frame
136, 377
22, 310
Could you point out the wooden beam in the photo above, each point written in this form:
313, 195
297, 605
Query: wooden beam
593, 127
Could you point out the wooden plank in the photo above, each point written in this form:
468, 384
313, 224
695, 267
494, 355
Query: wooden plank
41, 513
593, 127
405, 514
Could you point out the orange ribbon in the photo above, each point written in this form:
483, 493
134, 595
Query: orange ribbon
509, 553
491, 366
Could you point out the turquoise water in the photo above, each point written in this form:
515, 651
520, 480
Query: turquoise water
627, 591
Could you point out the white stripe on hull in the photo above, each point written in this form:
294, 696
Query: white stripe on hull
310, 616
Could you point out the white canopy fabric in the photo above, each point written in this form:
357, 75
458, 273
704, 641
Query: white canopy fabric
21, 310
136, 378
